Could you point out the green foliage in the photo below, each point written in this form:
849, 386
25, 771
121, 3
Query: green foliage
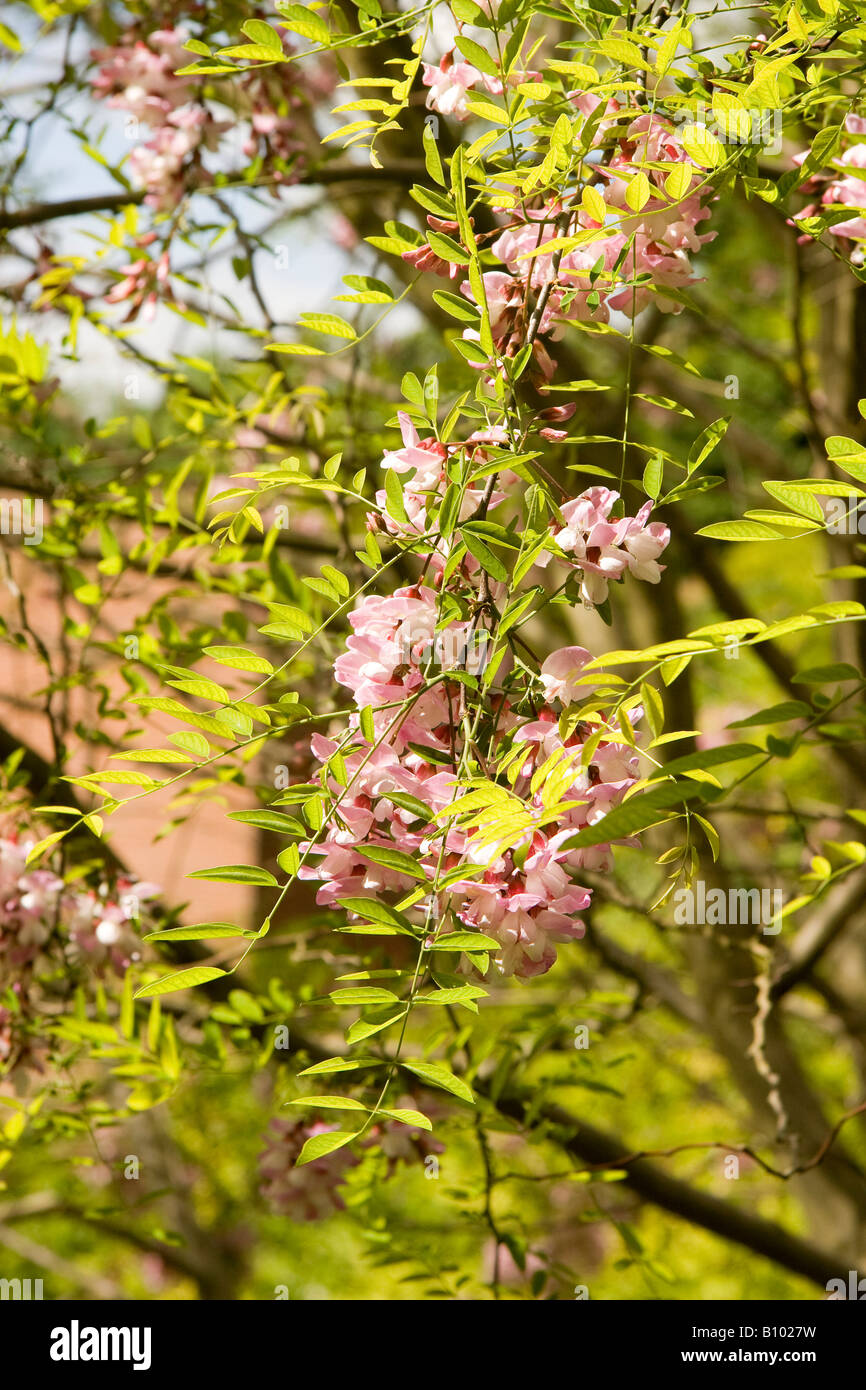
202, 559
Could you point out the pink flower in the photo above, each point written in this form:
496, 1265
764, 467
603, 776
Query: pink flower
644, 544
603, 549
48, 927
423, 257
588, 103
308, 1193
449, 84
849, 191
503, 296
159, 164
398, 779
561, 672
138, 77
591, 538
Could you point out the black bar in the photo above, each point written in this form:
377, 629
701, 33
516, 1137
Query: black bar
57, 1340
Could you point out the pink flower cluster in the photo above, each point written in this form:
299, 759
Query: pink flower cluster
403, 662
45, 922
604, 548
138, 75
844, 190
528, 899
421, 466
525, 897
665, 229
449, 85
655, 242
308, 1193
144, 282
311, 1192
626, 262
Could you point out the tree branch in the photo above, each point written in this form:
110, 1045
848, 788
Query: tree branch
401, 172
723, 1218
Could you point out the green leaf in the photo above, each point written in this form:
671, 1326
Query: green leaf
393, 859
338, 1064
196, 744
848, 455
296, 349
408, 1117
337, 580
154, 755
639, 812
221, 726
843, 608
263, 34
237, 873
330, 1102
466, 10
239, 659
331, 324
652, 477
361, 995
787, 521
394, 495
702, 146
740, 531
800, 499
320, 1145
774, 714
638, 192
449, 510
375, 911
478, 56
432, 158
119, 779
455, 305
9, 38
253, 52
303, 21
464, 941
622, 51
447, 249
411, 804
460, 994
708, 757
485, 556
207, 931
826, 675
275, 821
679, 181
412, 389
713, 838
487, 111
184, 979
654, 706
793, 624
43, 845
435, 1074
203, 688
366, 1028
706, 442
